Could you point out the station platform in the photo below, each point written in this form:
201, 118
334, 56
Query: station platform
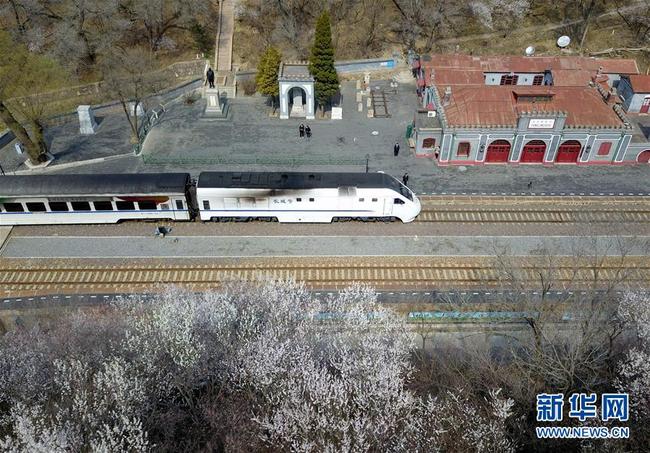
131, 247
5, 231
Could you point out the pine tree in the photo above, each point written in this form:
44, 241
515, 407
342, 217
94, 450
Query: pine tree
321, 62
267, 74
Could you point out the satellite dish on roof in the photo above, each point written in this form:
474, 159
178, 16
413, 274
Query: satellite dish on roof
530, 51
563, 41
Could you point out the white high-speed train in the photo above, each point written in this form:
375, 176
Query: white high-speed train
218, 196
304, 197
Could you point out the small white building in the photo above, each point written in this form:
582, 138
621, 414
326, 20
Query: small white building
296, 90
634, 91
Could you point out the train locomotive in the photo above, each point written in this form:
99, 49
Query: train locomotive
215, 196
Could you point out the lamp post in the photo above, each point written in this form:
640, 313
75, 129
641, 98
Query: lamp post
367, 162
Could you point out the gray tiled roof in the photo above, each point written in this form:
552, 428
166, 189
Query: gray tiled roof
295, 70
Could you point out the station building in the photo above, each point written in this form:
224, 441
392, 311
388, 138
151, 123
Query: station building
528, 110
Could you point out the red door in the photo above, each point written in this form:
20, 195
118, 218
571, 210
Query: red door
645, 106
533, 152
644, 157
498, 151
568, 152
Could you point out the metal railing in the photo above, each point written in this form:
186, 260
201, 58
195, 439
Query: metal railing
150, 159
151, 119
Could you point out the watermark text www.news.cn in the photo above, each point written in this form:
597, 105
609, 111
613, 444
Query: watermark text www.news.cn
582, 407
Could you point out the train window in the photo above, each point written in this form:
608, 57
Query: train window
150, 205
179, 204
206, 204
398, 201
311, 199
298, 200
103, 205
164, 207
362, 200
58, 206
374, 200
80, 206
36, 207
125, 205
13, 207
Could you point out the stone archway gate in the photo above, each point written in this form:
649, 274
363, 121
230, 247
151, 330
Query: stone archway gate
292, 75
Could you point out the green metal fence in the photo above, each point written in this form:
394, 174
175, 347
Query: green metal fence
283, 161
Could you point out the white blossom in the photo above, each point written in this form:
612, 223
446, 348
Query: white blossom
313, 375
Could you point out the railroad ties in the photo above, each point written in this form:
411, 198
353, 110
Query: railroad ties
529, 210
389, 273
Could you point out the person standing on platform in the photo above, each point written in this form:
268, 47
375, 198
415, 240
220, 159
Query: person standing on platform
301, 130
405, 178
210, 76
308, 131
396, 149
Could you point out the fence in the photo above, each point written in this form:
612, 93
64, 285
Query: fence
254, 160
344, 67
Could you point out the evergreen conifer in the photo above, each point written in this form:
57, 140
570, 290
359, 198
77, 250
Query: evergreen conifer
321, 62
267, 74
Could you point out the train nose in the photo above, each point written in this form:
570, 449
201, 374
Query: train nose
417, 207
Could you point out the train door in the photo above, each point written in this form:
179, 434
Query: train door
388, 207
347, 195
231, 204
261, 203
247, 203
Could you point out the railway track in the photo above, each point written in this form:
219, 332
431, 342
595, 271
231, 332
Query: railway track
382, 274
533, 216
534, 210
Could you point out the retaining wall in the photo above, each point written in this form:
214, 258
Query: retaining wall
345, 67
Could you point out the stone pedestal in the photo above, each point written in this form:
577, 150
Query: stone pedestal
214, 107
298, 109
87, 123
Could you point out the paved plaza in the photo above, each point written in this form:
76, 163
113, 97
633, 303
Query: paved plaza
69, 147
252, 140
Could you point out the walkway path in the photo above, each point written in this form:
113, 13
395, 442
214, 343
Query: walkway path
225, 32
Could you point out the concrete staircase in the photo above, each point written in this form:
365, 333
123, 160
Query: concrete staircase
225, 32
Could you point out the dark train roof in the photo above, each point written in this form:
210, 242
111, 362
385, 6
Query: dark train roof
131, 183
289, 180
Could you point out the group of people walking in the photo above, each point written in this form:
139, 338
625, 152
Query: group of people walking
304, 130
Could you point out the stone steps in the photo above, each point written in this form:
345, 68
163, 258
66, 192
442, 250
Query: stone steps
225, 36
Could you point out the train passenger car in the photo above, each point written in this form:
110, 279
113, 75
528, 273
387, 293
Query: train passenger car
304, 197
58, 199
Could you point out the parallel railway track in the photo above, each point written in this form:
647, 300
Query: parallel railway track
383, 273
534, 210
491, 215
